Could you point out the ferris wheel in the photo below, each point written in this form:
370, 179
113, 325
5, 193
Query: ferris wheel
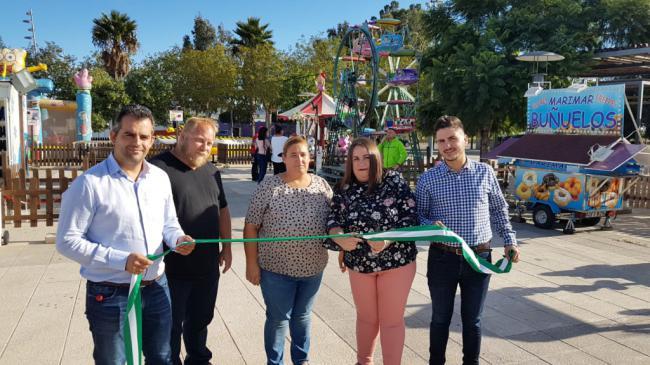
375, 79
355, 80
398, 70
376, 76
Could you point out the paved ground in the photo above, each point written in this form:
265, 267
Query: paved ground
579, 299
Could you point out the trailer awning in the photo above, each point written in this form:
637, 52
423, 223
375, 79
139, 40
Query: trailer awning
568, 149
623, 152
496, 151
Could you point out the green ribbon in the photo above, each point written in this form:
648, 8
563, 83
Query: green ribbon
432, 233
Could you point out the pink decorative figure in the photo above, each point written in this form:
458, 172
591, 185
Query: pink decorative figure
320, 81
83, 80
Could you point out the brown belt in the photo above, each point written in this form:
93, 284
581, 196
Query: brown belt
143, 283
483, 247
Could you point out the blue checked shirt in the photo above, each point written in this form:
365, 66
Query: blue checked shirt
465, 202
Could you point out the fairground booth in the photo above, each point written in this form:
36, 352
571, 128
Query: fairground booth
581, 152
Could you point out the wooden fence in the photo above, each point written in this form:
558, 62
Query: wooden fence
639, 195
234, 154
81, 155
35, 196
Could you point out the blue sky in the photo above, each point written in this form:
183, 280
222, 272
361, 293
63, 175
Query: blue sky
162, 24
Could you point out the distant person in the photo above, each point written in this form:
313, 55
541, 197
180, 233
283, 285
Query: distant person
392, 150
262, 152
277, 143
112, 217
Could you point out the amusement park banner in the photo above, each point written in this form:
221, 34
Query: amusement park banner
595, 110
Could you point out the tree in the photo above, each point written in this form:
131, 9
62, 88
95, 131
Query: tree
224, 36
187, 43
115, 35
205, 36
338, 31
623, 23
60, 69
109, 95
260, 77
251, 34
2, 44
471, 60
152, 84
204, 80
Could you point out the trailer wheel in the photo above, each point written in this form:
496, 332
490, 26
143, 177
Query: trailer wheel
543, 216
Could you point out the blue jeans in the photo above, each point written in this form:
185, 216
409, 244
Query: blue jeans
446, 271
262, 163
288, 304
193, 303
106, 310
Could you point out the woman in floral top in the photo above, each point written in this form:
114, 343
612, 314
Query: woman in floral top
369, 199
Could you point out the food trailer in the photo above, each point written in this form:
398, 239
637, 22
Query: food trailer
573, 163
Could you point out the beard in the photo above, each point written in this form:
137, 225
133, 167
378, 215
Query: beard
196, 159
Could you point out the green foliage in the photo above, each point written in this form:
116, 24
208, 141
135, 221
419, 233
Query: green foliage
60, 69
251, 34
205, 36
471, 60
109, 95
204, 80
623, 23
187, 43
115, 35
260, 76
152, 84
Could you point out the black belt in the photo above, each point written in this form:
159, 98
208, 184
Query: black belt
483, 247
143, 283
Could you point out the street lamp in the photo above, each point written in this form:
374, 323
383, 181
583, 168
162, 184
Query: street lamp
536, 87
31, 29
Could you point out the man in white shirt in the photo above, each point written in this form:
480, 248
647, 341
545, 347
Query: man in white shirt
277, 143
112, 217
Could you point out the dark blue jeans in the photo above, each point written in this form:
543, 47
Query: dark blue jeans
446, 271
288, 304
106, 310
262, 164
193, 302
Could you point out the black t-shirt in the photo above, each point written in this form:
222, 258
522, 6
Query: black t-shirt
198, 197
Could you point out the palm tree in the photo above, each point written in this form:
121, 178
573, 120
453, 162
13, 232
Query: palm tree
252, 34
115, 35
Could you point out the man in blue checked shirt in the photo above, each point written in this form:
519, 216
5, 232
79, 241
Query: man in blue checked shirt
112, 217
464, 196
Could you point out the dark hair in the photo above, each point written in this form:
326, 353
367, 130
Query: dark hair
448, 121
291, 141
375, 173
139, 112
278, 129
261, 133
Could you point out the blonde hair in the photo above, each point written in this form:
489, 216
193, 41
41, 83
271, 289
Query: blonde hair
292, 141
196, 121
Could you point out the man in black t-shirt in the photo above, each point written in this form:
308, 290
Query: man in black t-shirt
203, 213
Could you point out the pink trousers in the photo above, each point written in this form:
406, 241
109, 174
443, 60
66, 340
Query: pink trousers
380, 300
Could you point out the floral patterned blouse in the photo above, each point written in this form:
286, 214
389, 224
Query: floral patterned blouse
391, 205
